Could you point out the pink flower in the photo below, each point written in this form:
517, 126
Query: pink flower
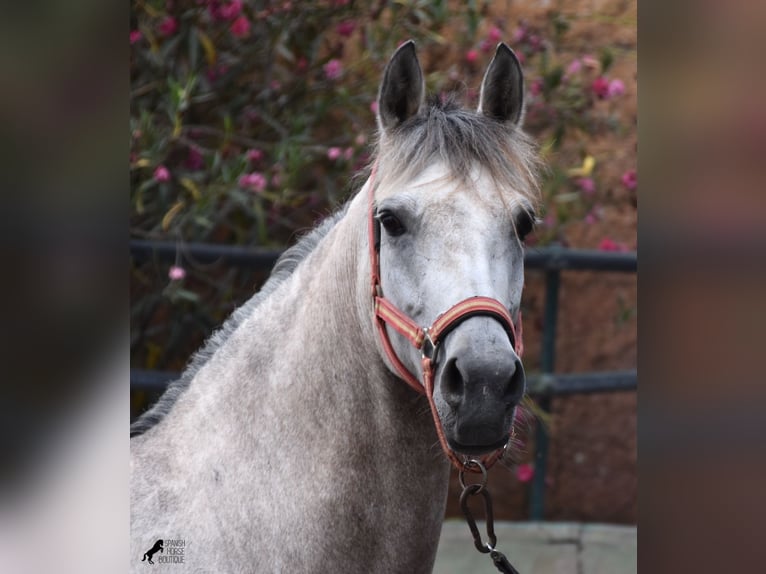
536, 42
240, 27
161, 173
471, 56
213, 8
600, 87
374, 106
630, 179
254, 155
276, 179
494, 34
135, 36
168, 26
608, 244
525, 472
176, 273
519, 34
590, 62
194, 160
275, 85
573, 68
360, 139
616, 88
333, 69
253, 181
346, 28
348, 153
231, 10
334, 153
485, 46
586, 184
536, 87
590, 218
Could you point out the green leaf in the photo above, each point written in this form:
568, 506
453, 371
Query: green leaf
567, 197
560, 26
607, 58
552, 79
181, 294
472, 17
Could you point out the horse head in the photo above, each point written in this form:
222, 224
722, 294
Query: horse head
454, 196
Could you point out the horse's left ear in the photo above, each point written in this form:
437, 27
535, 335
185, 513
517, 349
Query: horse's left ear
502, 90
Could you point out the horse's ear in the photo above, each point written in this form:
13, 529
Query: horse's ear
502, 90
402, 90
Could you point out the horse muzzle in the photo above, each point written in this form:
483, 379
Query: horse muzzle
479, 380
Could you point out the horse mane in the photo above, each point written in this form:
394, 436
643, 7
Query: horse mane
461, 138
287, 263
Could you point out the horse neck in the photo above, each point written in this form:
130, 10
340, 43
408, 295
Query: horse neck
335, 340
384, 449
309, 355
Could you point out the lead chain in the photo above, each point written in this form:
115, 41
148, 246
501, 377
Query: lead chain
498, 558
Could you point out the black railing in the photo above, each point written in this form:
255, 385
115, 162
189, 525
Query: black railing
546, 258
545, 385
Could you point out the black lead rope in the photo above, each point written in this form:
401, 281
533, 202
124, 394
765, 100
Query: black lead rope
498, 558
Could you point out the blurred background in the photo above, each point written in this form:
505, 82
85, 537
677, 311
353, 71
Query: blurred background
67, 208
248, 119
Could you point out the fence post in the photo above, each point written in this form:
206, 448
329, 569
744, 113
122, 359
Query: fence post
547, 361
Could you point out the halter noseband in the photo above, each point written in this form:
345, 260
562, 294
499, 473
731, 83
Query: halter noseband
427, 339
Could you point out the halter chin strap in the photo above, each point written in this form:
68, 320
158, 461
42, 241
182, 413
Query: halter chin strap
427, 339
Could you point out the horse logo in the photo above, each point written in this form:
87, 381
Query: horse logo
158, 546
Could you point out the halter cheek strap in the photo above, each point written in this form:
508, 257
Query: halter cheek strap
427, 339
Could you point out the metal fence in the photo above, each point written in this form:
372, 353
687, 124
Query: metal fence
544, 385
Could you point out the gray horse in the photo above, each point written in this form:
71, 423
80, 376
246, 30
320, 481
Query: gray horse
291, 443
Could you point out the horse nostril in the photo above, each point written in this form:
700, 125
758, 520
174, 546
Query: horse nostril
516, 385
452, 383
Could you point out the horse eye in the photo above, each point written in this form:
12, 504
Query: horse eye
391, 223
524, 224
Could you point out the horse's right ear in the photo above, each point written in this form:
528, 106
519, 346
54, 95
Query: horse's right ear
402, 90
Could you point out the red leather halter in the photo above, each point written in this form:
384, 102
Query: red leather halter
427, 339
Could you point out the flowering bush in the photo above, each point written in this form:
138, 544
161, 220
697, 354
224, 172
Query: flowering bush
249, 116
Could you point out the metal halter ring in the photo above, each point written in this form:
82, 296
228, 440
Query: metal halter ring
466, 465
428, 350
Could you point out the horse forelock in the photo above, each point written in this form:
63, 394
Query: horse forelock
285, 266
463, 140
